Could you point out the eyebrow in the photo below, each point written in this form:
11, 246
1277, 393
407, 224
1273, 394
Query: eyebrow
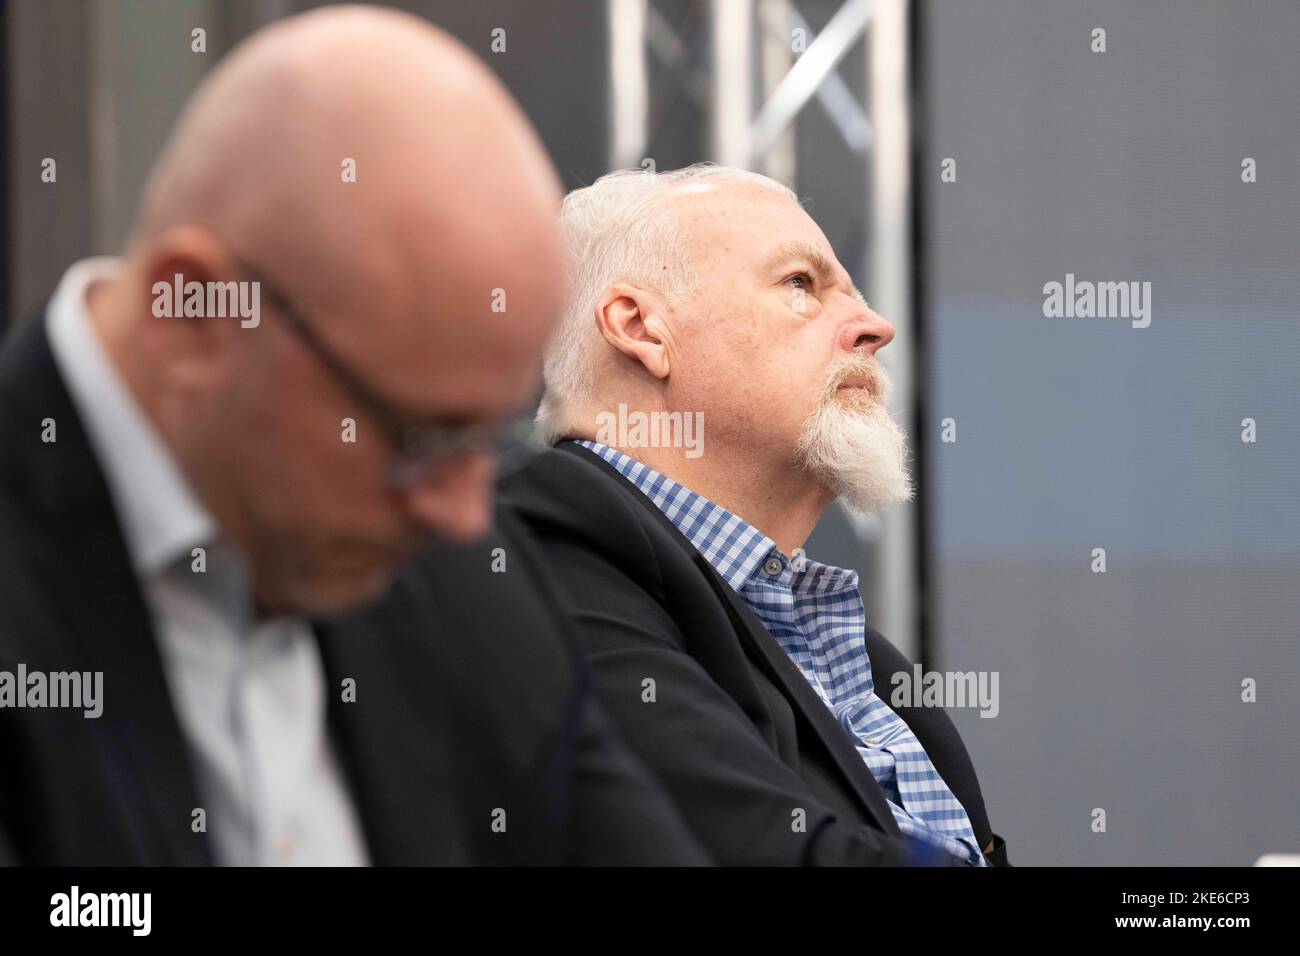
801, 251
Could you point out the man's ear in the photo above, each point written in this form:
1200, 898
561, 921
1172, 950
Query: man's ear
631, 320
190, 347
198, 255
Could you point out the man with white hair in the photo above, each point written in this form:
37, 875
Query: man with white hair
712, 388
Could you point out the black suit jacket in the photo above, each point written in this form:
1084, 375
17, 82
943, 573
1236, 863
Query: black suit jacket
737, 733
468, 699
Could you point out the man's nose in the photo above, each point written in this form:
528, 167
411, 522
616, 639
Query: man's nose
454, 501
866, 329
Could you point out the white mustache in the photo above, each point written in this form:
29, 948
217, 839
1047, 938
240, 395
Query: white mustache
877, 378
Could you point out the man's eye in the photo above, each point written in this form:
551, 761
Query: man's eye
803, 278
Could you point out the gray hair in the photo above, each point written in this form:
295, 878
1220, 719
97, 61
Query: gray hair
618, 229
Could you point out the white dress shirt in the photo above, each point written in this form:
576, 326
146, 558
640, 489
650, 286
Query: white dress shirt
250, 694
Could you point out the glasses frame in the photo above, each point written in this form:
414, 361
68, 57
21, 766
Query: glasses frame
418, 446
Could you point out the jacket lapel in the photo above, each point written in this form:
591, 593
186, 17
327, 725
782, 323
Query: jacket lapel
776, 664
93, 588
392, 730
768, 655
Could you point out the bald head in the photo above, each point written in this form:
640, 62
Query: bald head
452, 189
380, 180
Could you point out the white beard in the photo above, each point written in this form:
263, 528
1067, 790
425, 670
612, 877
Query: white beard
853, 445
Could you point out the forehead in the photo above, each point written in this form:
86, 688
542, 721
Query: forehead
738, 219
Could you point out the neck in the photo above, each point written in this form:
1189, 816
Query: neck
106, 304
138, 358
775, 497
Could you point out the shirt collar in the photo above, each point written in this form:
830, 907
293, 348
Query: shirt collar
162, 519
737, 550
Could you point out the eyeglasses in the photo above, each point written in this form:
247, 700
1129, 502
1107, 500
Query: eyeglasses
420, 448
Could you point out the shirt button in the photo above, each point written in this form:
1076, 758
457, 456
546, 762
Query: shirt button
772, 566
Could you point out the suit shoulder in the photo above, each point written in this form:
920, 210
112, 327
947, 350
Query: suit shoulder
573, 496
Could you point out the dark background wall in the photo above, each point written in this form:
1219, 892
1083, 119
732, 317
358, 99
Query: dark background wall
1119, 690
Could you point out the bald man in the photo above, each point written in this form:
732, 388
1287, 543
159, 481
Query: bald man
222, 449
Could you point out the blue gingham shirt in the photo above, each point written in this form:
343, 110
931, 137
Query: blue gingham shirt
816, 614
